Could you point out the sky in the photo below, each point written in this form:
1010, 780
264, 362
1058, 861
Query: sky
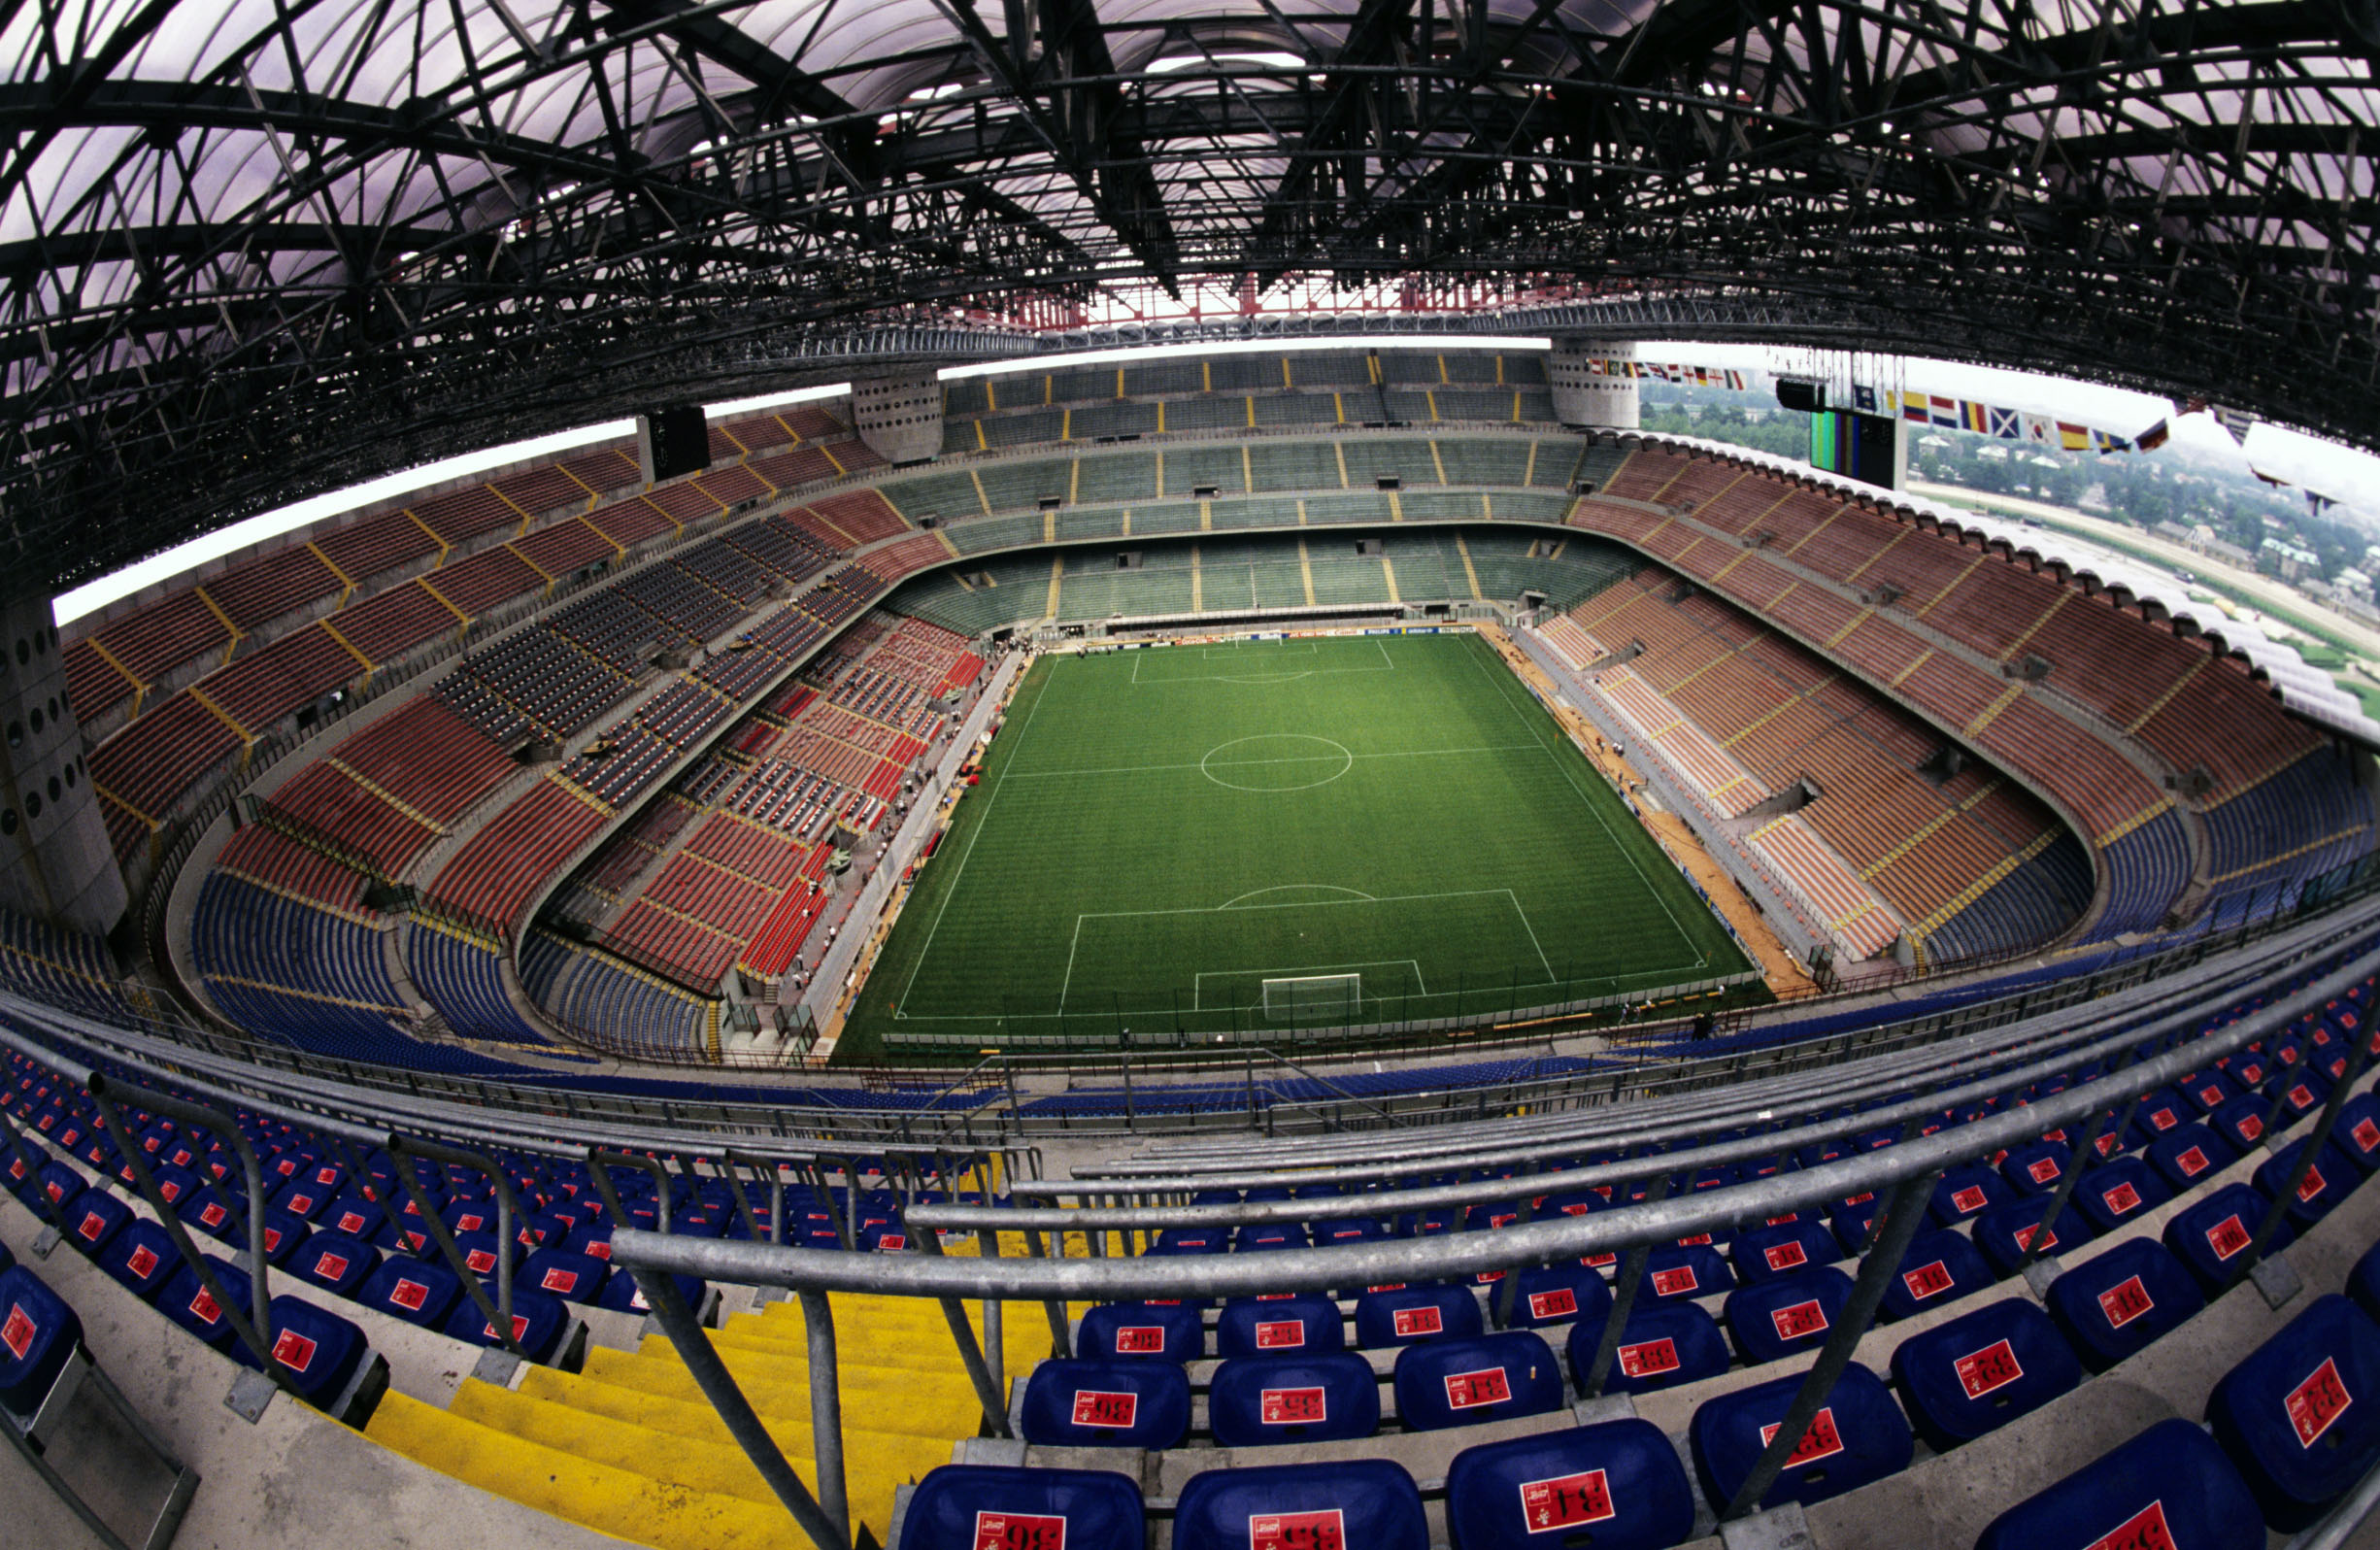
2343, 473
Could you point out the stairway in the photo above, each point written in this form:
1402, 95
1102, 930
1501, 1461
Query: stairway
630, 1446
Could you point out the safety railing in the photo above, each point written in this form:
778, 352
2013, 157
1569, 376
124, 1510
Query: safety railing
2130, 1063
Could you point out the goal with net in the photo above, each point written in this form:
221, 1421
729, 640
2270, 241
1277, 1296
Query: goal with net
1314, 997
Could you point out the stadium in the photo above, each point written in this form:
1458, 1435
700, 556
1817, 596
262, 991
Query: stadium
947, 779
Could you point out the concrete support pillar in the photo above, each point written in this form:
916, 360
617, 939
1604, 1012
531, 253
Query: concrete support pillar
899, 417
1586, 392
55, 862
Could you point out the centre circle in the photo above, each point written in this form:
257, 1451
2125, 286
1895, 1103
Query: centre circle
1276, 762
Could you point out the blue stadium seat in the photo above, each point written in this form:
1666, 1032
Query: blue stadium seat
335, 1263
283, 1235
93, 1218
420, 1292
1765, 1252
1347, 1229
2206, 1091
2301, 1093
1488, 1377
1662, 1346
1401, 1315
38, 1333
1167, 1331
1615, 1486
2325, 1184
1675, 1270
2185, 1155
1192, 1240
2115, 1192
2159, 1112
572, 1277
2116, 1303
1854, 1221
1941, 1266
2287, 1415
1305, 1321
2363, 1282
2005, 1234
1102, 1403
1979, 1371
321, 1350
1366, 1503
2241, 1121
1316, 1398
1966, 1192
2170, 1485
185, 1301
1558, 1294
1792, 1313
141, 1259
1257, 1238
2356, 1135
623, 1294
2035, 1168
967, 1506
539, 1322
2209, 1236
352, 1216
1858, 1435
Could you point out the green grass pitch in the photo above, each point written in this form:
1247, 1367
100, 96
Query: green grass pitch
1160, 831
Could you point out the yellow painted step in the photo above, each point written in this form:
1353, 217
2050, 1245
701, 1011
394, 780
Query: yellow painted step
873, 1466
898, 1405
921, 1352
695, 1418
774, 1360
619, 1503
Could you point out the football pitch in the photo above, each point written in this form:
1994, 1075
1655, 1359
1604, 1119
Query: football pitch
1196, 839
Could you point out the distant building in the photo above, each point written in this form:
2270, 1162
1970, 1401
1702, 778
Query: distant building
2200, 539
2353, 583
2294, 562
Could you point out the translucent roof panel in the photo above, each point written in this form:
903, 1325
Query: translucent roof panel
381, 229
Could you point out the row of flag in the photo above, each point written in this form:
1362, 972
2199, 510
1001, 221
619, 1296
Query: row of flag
2008, 424
1683, 376
1983, 420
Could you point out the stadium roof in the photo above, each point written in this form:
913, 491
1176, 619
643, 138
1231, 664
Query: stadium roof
255, 248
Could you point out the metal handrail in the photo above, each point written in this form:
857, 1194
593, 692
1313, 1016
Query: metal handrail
1908, 1170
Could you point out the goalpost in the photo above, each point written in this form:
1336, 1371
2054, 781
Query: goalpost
1315, 998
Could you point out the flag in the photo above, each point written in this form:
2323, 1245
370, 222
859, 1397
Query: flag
2073, 438
2153, 437
1913, 407
1735, 380
1946, 412
1864, 399
2238, 422
2102, 442
2268, 478
1974, 417
2004, 424
2317, 503
2037, 428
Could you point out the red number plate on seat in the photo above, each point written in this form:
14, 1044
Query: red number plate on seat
1019, 1531
1466, 1391
1281, 1407
1097, 1407
2315, 1403
1821, 1442
1566, 1501
1995, 1366
2124, 1303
